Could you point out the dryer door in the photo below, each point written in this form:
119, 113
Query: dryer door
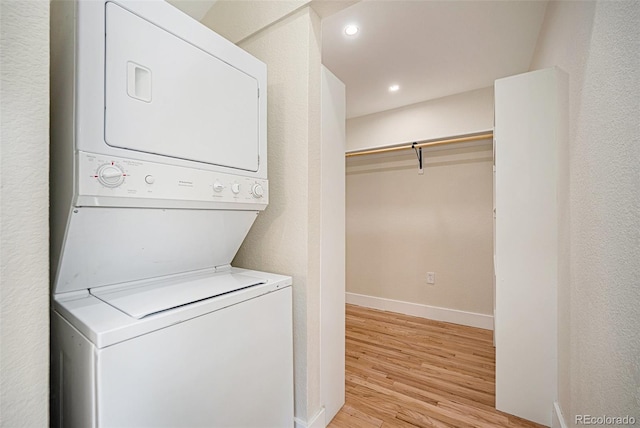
166, 96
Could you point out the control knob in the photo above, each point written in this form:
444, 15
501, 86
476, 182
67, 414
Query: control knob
218, 187
110, 175
235, 188
257, 190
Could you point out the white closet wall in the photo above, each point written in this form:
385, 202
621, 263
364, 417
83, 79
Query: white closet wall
531, 184
332, 243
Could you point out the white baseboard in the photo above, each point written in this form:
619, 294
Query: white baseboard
317, 421
557, 419
454, 316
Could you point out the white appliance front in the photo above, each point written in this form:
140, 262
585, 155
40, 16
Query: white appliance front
154, 85
155, 115
220, 362
159, 169
230, 361
105, 246
161, 97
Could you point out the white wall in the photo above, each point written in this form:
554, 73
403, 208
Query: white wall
286, 236
332, 274
465, 113
599, 340
24, 213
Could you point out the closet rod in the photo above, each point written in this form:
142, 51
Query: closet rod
485, 136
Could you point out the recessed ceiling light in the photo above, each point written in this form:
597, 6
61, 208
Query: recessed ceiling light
394, 88
351, 30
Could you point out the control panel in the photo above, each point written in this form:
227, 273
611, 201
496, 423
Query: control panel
102, 176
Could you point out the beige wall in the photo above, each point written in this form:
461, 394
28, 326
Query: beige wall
286, 237
401, 225
24, 214
599, 307
237, 20
465, 113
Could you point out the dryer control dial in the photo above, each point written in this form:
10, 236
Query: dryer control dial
110, 175
257, 190
218, 187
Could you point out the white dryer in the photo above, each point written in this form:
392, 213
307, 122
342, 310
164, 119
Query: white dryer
158, 171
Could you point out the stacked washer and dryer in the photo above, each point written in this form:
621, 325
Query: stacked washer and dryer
158, 171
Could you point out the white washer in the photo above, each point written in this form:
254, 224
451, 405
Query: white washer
221, 362
159, 169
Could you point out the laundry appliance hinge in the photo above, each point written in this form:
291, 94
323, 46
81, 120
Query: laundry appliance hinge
223, 268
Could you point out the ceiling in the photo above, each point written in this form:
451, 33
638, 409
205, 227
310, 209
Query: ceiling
429, 48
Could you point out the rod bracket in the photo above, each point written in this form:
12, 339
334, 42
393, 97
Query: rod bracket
419, 156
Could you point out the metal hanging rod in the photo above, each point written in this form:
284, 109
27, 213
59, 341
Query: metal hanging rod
485, 136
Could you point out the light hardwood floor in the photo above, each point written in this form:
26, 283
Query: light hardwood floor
405, 371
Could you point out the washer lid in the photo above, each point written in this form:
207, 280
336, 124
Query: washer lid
148, 297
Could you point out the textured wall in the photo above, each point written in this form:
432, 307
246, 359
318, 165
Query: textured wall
597, 43
236, 20
286, 237
400, 225
24, 213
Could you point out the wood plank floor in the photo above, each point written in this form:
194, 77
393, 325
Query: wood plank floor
404, 371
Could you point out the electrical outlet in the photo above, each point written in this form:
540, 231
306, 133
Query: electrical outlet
431, 278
